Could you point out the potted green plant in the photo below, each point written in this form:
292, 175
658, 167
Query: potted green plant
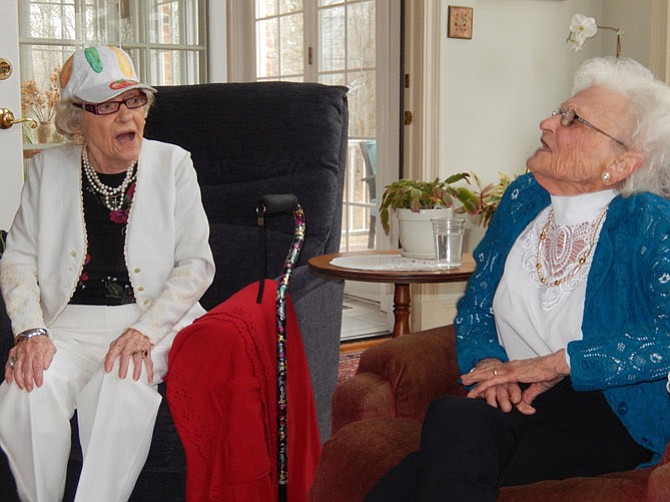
480, 204
416, 201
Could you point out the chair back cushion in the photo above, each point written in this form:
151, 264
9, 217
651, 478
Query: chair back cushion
253, 139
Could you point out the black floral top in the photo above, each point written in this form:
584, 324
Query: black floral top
104, 278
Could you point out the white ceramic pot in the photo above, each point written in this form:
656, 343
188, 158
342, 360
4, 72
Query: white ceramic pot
416, 231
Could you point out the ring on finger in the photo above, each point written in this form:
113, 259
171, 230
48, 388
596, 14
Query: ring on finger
12, 361
143, 353
495, 371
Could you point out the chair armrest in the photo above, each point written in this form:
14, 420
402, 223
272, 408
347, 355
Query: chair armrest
659, 479
318, 305
659, 484
399, 378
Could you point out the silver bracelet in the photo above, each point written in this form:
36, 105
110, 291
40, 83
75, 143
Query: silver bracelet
30, 333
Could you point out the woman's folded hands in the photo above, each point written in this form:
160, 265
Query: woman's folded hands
516, 383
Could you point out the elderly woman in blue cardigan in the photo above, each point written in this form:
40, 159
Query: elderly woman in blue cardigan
563, 334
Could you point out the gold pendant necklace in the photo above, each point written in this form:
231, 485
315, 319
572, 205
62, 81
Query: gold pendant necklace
580, 261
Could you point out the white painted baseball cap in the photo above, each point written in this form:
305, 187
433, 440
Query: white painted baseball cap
97, 74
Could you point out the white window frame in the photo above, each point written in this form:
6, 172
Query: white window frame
141, 50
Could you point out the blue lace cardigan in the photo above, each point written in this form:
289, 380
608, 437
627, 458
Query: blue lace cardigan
625, 350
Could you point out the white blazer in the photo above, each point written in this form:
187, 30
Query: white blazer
167, 253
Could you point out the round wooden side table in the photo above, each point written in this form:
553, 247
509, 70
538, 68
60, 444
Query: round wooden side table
402, 279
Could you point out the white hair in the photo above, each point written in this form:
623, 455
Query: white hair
648, 117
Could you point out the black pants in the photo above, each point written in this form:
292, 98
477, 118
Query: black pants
469, 449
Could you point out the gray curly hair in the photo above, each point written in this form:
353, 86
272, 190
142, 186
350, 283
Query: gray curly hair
648, 117
68, 117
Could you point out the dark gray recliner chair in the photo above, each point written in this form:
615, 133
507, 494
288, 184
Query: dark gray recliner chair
248, 140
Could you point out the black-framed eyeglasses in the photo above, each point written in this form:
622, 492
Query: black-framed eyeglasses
569, 117
109, 107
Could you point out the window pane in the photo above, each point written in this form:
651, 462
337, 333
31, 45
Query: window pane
90, 26
43, 60
191, 33
332, 38
361, 35
292, 45
267, 47
130, 27
332, 79
172, 67
164, 23
287, 6
290, 78
101, 23
265, 8
52, 21
362, 104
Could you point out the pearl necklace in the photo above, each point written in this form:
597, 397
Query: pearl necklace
580, 261
113, 196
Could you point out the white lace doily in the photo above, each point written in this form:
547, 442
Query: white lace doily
383, 262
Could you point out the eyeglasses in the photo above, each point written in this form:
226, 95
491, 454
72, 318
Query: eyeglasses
109, 107
569, 117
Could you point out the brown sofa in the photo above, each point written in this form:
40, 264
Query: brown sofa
377, 420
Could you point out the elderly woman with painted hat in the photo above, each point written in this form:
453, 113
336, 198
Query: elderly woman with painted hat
106, 260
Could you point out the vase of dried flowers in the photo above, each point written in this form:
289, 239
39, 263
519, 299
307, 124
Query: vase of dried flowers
43, 132
41, 105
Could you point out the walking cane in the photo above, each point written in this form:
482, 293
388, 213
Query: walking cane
268, 205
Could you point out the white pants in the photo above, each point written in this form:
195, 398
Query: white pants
116, 416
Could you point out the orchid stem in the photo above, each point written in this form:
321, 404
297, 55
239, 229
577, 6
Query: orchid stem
618, 38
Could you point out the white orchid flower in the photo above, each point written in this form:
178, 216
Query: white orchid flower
586, 27
575, 43
581, 28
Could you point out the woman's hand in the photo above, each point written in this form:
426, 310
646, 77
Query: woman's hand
131, 345
542, 373
502, 396
27, 361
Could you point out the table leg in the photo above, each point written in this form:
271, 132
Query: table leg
401, 308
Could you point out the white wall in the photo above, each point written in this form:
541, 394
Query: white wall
637, 20
497, 86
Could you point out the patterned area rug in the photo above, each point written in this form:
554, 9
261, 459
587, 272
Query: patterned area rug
348, 364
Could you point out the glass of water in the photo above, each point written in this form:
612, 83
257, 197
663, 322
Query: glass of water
448, 233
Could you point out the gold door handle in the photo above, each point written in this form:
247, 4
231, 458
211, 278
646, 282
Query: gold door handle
7, 119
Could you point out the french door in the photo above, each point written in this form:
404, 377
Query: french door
10, 138
335, 42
